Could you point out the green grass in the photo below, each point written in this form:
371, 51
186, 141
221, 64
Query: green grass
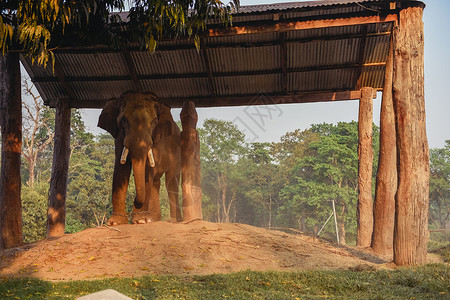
439, 243
426, 282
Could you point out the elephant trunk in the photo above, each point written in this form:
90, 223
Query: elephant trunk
139, 179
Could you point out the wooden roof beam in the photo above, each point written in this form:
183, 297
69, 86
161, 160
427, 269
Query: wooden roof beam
361, 53
283, 62
301, 25
132, 70
207, 67
243, 100
65, 83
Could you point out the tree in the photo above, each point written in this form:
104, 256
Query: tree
37, 26
291, 147
440, 186
36, 130
260, 186
90, 171
221, 147
328, 170
11, 132
34, 213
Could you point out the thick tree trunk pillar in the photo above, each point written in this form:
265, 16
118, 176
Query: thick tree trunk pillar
365, 155
190, 164
56, 214
11, 127
411, 202
386, 187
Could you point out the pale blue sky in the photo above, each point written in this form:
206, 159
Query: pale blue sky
285, 118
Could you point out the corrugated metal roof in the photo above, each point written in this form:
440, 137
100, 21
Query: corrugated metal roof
233, 66
294, 5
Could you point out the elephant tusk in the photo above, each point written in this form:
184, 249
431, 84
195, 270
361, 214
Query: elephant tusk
123, 157
151, 158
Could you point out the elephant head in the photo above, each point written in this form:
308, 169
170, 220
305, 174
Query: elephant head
131, 120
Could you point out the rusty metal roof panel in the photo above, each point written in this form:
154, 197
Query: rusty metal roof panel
50, 90
339, 79
294, 5
168, 62
244, 59
338, 32
107, 89
322, 53
247, 85
373, 77
92, 65
244, 39
177, 87
275, 14
377, 49
319, 59
36, 70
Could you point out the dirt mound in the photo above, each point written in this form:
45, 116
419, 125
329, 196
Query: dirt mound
165, 248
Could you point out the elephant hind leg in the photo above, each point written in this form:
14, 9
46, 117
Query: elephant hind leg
172, 184
154, 205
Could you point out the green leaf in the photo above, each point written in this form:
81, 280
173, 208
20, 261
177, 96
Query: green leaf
197, 42
151, 46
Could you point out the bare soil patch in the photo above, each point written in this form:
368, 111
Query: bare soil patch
164, 248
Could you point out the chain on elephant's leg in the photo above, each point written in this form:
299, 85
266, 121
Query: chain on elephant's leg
117, 219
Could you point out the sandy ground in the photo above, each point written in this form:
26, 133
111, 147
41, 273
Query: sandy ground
165, 248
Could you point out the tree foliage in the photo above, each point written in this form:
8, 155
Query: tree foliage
37, 134
285, 184
34, 211
38, 26
440, 186
222, 147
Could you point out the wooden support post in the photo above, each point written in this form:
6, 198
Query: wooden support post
386, 186
365, 155
56, 214
190, 164
11, 127
411, 201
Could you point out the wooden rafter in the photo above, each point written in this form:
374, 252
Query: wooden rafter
62, 78
283, 62
243, 100
286, 25
207, 67
132, 70
361, 52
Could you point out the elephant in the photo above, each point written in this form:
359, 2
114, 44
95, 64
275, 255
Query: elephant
148, 140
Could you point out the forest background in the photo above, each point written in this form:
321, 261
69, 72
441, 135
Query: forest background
290, 183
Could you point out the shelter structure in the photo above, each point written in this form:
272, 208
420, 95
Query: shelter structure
314, 51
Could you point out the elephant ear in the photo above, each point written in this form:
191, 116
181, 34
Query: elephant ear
166, 126
108, 117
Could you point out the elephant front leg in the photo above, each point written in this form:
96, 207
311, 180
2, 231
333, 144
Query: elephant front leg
121, 178
142, 215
